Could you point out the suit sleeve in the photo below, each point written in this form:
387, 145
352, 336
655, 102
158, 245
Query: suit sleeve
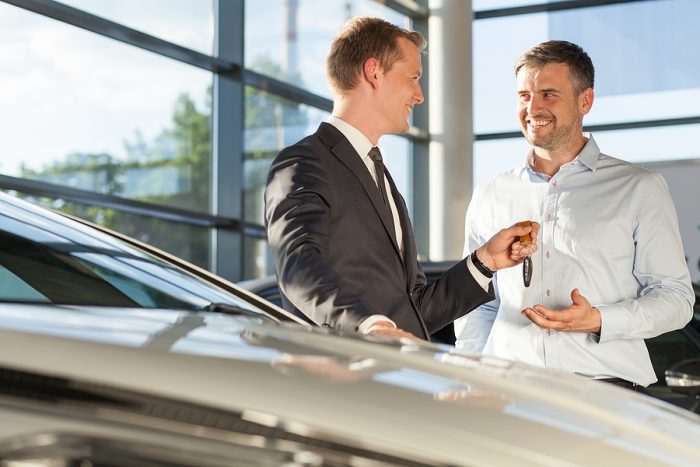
453, 295
298, 205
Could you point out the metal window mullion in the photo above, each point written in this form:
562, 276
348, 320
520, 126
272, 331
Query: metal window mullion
227, 140
547, 8
417, 10
419, 169
604, 127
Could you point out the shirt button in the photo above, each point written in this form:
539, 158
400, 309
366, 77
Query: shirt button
549, 332
547, 254
549, 217
554, 183
548, 292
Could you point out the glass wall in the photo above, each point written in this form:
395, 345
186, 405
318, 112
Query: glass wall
646, 65
647, 87
110, 103
285, 40
289, 39
87, 112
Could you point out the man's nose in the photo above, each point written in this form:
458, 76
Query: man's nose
418, 95
533, 105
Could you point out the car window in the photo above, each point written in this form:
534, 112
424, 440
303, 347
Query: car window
13, 288
45, 258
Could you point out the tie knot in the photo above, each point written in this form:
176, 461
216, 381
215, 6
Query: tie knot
375, 155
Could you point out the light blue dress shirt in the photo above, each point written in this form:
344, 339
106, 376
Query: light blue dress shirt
608, 228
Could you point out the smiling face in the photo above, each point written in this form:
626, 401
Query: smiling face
549, 109
400, 89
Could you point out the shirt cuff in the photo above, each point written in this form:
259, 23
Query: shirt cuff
478, 276
369, 321
613, 321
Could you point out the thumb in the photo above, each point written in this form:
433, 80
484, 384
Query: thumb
577, 298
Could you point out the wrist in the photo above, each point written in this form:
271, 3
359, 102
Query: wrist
483, 268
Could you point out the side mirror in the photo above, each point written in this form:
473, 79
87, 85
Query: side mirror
684, 377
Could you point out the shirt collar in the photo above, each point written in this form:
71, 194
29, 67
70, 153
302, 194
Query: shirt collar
588, 156
358, 141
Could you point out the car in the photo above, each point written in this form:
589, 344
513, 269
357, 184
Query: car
665, 350
112, 354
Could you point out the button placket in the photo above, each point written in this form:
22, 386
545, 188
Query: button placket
551, 354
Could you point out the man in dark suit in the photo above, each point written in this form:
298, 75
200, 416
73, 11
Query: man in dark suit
339, 229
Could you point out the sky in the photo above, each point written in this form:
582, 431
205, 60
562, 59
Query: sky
67, 90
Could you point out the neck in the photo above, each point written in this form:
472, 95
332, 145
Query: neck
359, 116
548, 161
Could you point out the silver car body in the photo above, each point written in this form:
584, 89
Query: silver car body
415, 404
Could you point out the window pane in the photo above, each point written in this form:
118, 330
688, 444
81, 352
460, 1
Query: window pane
645, 54
84, 111
292, 43
497, 156
257, 259
271, 124
183, 22
189, 242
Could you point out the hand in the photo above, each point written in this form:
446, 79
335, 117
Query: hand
579, 317
504, 250
388, 329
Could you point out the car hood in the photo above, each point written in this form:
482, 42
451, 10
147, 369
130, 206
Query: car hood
394, 396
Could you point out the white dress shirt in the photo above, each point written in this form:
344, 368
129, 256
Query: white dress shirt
608, 228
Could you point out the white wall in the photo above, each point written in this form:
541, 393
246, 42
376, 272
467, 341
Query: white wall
683, 178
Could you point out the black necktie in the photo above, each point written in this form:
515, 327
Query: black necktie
376, 156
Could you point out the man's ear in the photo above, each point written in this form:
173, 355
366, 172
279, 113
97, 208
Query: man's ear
585, 101
370, 69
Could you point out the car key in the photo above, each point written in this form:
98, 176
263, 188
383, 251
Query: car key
526, 240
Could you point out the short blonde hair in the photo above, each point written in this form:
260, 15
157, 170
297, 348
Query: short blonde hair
360, 39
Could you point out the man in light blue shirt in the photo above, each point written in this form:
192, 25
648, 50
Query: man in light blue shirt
610, 270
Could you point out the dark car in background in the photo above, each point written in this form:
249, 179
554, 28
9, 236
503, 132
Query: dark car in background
665, 350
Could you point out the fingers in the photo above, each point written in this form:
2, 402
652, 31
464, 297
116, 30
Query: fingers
390, 332
524, 246
537, 317
525, 227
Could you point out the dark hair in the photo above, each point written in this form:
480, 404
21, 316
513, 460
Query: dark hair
360, 39
580, 64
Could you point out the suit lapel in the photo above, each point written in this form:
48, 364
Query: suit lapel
343, 150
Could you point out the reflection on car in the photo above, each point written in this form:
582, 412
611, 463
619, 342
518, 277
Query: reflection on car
113, 354
665, 350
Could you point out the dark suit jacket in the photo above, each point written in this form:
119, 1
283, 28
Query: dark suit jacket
337, 261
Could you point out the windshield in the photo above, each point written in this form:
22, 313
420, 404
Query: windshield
46, 258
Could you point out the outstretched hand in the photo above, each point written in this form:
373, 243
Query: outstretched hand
579, 317
504, 250
387, 329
